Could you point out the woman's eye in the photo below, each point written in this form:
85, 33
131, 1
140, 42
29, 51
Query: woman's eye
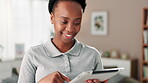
77, 23
64, 22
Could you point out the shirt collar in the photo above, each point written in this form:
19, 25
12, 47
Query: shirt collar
54, 52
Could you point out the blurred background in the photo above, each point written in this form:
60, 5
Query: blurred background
26, 23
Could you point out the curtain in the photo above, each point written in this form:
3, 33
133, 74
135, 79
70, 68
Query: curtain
25, 23
6, 30
32, 22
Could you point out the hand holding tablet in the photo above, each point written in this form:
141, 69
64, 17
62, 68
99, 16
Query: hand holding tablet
101, 75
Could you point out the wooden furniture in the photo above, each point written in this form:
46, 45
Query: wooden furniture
130, 66
6, 68
144, 61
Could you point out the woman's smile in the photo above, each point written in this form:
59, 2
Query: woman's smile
68, 36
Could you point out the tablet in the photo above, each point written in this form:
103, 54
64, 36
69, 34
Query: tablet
101, 75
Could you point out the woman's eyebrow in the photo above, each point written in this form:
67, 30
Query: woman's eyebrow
64, 17
77, 19
69, 18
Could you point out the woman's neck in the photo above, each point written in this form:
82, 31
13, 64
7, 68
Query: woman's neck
61, 46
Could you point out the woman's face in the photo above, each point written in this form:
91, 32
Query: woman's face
66, 18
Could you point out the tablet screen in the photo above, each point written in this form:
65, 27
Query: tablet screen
101, 75
104, 71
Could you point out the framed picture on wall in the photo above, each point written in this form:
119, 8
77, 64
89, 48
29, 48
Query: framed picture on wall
99, 23
19, 50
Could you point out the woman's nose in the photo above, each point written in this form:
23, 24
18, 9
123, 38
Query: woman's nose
70, 28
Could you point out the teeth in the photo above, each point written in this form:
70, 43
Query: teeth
68, 35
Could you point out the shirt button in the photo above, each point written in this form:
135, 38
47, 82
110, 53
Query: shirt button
66, 63
68, 70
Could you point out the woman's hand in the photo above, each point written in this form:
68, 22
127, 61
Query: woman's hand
55, 77
95, 81
92, 81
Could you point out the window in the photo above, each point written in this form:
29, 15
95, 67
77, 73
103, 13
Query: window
30, 24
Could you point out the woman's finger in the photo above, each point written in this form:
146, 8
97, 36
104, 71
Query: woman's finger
58, 78
96, 81
89, 81
64, 78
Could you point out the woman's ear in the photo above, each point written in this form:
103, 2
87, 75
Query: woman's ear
51, 17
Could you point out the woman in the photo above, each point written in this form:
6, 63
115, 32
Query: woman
63, 57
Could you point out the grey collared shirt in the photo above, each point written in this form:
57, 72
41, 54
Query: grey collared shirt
44, 59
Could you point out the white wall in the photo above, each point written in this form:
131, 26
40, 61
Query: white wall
125, 25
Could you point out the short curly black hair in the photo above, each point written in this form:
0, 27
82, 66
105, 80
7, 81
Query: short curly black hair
53, 3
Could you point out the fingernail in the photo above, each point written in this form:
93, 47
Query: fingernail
94, 80
89, 81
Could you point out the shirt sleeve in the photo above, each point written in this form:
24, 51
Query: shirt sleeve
28, 69
98, 61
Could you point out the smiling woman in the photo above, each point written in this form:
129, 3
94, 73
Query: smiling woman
62, 57
66, 25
